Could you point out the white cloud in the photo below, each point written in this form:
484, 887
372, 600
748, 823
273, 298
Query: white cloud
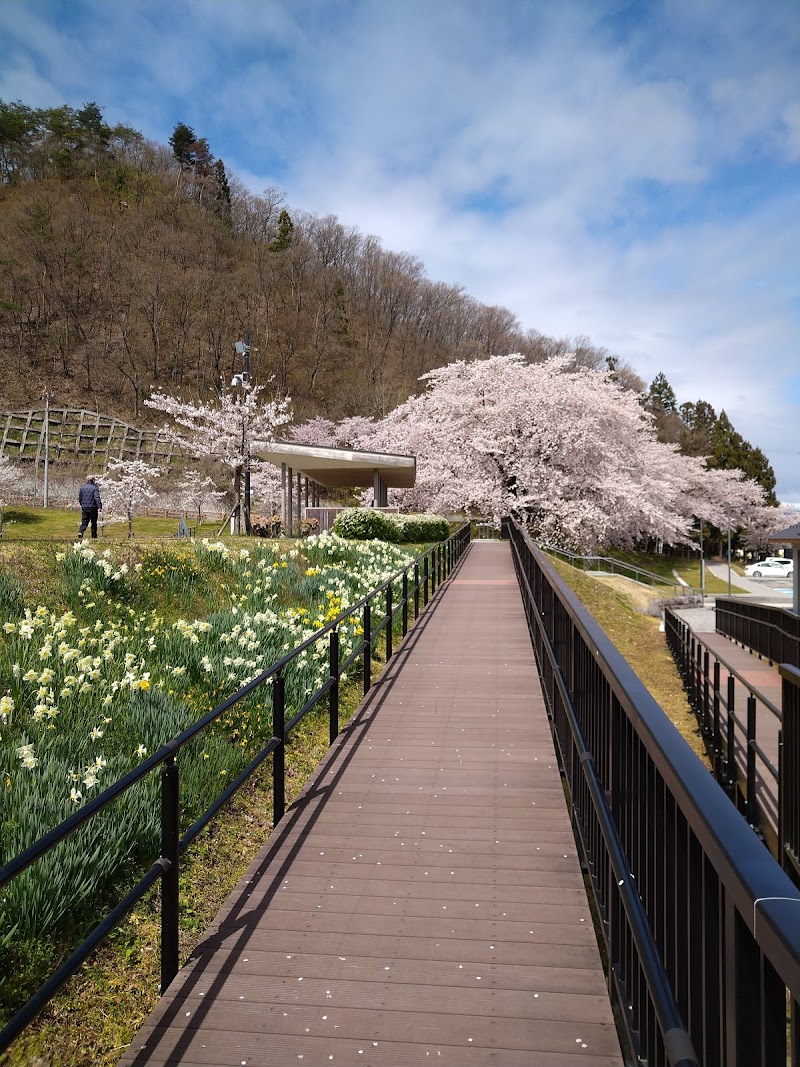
602, 170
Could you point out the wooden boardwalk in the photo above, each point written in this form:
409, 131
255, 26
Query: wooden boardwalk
422, 902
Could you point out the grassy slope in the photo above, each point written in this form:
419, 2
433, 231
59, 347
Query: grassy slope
638, 638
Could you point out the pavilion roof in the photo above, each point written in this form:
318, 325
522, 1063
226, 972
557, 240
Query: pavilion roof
340, 467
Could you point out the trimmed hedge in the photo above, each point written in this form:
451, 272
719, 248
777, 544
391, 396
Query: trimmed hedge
367, 524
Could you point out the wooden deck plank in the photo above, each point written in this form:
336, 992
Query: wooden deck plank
422, 901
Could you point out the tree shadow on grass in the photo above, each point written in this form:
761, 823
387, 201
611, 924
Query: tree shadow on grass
21, 518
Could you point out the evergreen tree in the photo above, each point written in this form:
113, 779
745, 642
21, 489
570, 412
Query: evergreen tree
222, 193
662, 404
698, 422
661, 396
283, 238
181, 142
729, 450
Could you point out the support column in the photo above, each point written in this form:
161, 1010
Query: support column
289, 503
299, 503
379, 490
283, 496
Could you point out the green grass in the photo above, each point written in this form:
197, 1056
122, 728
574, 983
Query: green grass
56, 524
688, 567
638, 638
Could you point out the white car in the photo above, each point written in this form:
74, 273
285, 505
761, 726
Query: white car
770, 568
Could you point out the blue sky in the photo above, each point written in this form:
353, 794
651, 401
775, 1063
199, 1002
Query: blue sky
622, 170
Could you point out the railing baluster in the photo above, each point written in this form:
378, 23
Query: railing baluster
752, 807
730, 731
333, 695
405, 603
388, 622
279, 755
170, 837
367, 628
717, 755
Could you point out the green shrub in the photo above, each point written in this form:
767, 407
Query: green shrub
421, 528
366, 524
362, 524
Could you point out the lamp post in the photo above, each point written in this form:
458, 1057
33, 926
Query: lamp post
47, 397
243, 379
729, 555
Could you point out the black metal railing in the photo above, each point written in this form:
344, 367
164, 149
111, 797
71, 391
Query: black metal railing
609, 565
700, 925
771, 631
739, 726
789, 785
419, 581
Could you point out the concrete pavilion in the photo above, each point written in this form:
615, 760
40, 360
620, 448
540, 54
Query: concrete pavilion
305, 469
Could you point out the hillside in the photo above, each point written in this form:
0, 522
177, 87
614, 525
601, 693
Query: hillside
128, 266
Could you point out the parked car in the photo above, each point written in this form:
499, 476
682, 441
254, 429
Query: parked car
773, 567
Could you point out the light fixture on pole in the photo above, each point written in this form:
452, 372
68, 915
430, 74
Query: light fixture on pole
47, 397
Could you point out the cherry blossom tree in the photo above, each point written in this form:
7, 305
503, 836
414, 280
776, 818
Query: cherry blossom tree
9, 479
9, 476
126, 486
194, 492
558, 444
225, 431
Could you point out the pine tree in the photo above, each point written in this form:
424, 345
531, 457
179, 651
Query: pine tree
181, 142
283, 238
729, 451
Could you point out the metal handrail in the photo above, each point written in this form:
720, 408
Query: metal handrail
616, 565
724, 917
429, 570
699, 666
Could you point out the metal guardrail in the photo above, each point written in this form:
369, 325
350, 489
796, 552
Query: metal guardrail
739, 760
790, 774
617, 566
768, 630
701, 926
419, 581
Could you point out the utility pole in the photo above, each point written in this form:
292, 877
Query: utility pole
243, 379
47, 397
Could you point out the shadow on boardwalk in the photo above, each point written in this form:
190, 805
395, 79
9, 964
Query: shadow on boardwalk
422, 901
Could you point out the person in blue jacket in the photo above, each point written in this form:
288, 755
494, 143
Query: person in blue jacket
91, 505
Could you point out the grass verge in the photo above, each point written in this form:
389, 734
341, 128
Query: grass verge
638, 638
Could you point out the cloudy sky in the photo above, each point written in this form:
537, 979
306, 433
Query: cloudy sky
622, 170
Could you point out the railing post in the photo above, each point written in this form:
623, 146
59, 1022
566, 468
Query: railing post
367, 628
730, 733
789, 781
389, 620
416, 591
170, 835
717, 735
706, 718
425, 582
752, 807
333, 695
404, 615
279, 755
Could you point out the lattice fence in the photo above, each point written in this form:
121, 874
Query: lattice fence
75, 434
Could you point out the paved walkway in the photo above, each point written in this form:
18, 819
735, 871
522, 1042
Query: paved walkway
422, 902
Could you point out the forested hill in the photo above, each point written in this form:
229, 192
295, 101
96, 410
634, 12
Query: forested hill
128, 265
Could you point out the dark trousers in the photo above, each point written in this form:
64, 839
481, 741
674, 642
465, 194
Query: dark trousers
88, 515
